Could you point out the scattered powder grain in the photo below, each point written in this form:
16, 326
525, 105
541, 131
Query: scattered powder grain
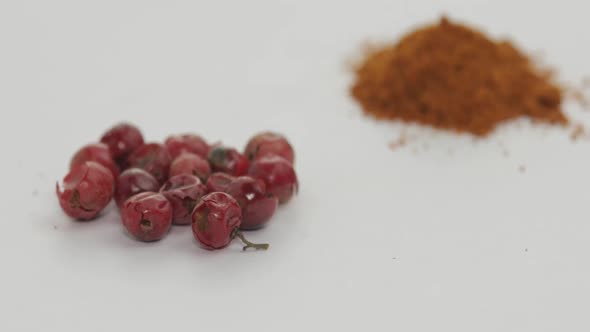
578, 132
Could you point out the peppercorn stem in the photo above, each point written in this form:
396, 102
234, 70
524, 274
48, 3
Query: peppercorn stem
248, 244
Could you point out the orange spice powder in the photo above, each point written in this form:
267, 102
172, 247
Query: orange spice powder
452, 77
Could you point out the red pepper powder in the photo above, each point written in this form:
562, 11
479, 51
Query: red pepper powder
451, 77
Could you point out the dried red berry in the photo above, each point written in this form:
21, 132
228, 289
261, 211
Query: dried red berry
214, 145
96, 152
259, 212
183, 191
132, 182
179, 144
188, 163
152, 157
228, 160
278, 175
216, 221
257, 206
219, 182
147, 216
269, 143
122, 139
86, 190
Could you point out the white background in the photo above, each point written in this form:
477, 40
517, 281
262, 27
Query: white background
447, 233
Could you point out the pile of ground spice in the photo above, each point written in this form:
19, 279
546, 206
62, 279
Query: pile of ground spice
452, 77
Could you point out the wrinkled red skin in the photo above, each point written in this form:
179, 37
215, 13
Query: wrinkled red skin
147, 216
257, 206
189, 163
278, 175
183, 191
259, 212
228, 160
132, 182
86, 191
269, 143
152, 157
219, 182
122, 139
96, 152
215, 220
179, 144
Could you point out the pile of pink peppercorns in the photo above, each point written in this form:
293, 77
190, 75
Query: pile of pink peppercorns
216, 189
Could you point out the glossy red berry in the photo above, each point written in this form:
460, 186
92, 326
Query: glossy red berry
278, 175
216, 221
269, 143
257, 206
188, 163
132, 182
228, 160
219, 182
96, 152
122, 139
179, 144
147, 216
152, 157
183, 191
86, 190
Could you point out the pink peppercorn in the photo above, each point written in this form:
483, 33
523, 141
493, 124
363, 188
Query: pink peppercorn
188, 163
147, 216
122, 139
96, 152
269, 143
86, 190
132, 182
191, 143
278, 175
183, 191
152, 157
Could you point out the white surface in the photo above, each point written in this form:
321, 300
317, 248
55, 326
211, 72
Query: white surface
444, 234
